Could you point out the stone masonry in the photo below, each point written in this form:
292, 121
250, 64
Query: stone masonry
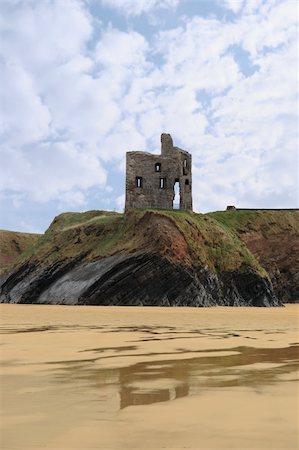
151, 179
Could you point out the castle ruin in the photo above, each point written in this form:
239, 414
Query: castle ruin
151, 180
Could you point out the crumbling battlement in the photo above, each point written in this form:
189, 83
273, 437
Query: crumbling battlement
151, 179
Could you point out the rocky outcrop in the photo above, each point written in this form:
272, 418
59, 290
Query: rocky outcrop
159, 258
142, 279
278, 253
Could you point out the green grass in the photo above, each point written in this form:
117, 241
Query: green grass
218, 247
212, 240
73, 219
264, 221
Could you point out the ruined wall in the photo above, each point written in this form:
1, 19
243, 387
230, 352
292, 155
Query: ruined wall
150, 178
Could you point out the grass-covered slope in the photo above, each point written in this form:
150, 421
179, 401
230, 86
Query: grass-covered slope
221, 240
192, 239
12, 245
265, 221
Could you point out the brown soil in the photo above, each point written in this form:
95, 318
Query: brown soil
161, 234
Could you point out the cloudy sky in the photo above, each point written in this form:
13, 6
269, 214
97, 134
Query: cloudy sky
84, 81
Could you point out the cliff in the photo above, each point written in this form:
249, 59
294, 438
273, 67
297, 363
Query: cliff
165, 258
13, 244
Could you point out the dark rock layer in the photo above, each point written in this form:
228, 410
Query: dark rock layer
139, 278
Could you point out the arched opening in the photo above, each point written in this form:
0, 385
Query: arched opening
176, 195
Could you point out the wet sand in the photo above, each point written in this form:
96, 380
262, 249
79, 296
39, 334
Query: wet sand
149, 378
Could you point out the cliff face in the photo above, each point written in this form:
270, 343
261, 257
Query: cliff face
157, 258
273, 238
13, 244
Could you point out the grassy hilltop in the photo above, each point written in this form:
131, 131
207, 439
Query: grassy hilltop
177, 235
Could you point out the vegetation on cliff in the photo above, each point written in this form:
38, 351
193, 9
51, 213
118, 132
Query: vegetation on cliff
273, 237
14, 244
257, 242
190, 238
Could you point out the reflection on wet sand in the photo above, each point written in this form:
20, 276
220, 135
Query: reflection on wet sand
185, 376
138, 378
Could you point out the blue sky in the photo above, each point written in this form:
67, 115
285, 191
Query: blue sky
82, 82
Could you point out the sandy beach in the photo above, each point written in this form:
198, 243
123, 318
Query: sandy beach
149, 378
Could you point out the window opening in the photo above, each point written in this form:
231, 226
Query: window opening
162, 183
139, 182
187, 182
176, 195
158, 167
185, 167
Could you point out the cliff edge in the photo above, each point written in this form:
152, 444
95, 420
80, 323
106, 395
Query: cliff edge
163, 258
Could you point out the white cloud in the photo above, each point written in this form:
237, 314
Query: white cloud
234, 5
275, 25
58, 103
72, 197
118, 48
24, 116
195, 55
124, 138
77, 95
40, 34
246, 153
137, 7
50, 171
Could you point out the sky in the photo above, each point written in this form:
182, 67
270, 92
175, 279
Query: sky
84, 81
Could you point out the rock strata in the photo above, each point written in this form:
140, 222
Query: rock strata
139, 279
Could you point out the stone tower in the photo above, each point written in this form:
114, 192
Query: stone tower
151, 179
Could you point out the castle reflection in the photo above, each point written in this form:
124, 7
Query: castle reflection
145, 383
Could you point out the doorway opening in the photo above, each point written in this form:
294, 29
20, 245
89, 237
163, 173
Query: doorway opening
176, 195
